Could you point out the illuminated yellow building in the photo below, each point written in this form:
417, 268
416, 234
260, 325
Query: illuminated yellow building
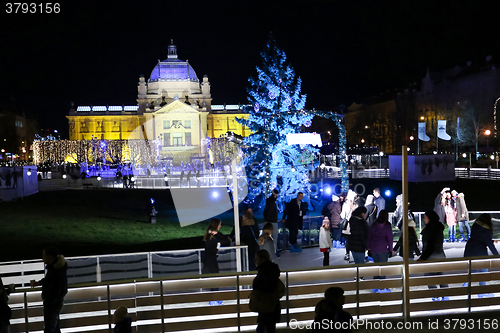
172, 106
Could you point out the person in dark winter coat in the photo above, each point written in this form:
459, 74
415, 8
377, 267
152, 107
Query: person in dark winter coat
294, 215
123, 323
413, 240
432, 239
357, 242
481, 239
329, 312
266, 281
271, 215
213, 240
371, 210
379, 242
5, 311
332, 210
54, 288
379, 200
439, 205
249, 236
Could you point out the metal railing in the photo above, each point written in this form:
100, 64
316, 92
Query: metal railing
181, 304
112, 267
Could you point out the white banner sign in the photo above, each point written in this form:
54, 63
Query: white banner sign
304, 139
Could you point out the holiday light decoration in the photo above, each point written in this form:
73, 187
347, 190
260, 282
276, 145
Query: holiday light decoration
96, 151
268, 158
278, 110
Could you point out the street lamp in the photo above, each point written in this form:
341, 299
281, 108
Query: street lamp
380, 158
487, 133
362, 140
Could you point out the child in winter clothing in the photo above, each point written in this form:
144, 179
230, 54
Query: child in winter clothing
266, 241
325, 241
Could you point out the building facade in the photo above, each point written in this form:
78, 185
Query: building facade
173, 106
390, 119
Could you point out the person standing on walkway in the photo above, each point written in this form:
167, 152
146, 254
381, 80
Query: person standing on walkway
439, 205
266, 241
357, 242
413, 242
451, 216
249, 235
481, 239
5, 311
213, 240
294, 215
462, 215
266, 281
325, 241
332, 210
271, 216
432, 239
371, 210
379, 200
54, 288
347, 209
379, 242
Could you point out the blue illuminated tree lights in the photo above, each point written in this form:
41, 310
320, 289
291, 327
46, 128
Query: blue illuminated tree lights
277, 109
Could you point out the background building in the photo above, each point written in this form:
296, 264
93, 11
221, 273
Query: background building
173, 106
389, 119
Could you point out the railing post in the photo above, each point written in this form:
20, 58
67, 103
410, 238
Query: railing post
238, 303
150, 266
162, 310
98, 271
357, 292
109, 309
199, 262
405, 245
287, 291
26, 318
469, 285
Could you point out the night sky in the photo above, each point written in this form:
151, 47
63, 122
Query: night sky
93, 52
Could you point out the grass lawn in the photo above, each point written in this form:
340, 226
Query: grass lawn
82, 222
85, 222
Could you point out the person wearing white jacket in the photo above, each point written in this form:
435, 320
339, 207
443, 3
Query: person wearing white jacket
325, 241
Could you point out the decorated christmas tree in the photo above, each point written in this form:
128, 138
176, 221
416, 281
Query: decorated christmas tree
276, 109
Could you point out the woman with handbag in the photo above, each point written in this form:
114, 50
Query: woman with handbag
266, 293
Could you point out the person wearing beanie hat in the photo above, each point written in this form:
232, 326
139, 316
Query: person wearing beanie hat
325, 241
432, 239
123, 323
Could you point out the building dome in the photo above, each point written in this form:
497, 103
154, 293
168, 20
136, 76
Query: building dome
173, 69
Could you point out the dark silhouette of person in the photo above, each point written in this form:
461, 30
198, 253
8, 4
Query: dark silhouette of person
15, 175
54, 288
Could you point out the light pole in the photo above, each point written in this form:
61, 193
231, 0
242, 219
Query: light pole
380, 158
487, 133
